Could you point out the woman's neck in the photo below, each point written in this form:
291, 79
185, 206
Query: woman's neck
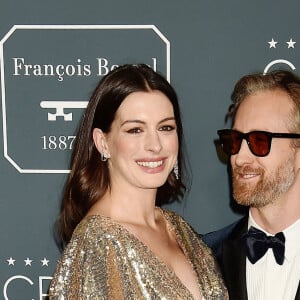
136, 206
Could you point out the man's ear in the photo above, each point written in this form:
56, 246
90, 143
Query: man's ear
100, 142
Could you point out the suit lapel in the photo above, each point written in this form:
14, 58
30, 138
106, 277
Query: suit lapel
234, 263
298, 293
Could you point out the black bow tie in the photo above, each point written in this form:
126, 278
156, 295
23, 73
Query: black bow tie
257, 243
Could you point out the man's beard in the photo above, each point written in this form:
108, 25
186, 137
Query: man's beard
267, 189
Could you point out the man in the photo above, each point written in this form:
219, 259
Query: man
264, 150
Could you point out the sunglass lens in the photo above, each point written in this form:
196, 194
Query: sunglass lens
231, 142
259, 143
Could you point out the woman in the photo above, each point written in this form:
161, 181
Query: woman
128, 160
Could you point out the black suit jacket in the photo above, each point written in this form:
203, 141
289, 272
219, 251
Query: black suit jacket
229, 251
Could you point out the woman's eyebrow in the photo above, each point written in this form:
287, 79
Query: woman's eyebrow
143, 122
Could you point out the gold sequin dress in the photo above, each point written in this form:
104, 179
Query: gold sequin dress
105, 261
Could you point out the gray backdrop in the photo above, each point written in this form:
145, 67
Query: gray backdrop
203, 47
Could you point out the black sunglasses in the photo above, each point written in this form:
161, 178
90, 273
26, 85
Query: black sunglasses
259, 142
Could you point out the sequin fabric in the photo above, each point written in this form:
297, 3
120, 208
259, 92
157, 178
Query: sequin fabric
105, 261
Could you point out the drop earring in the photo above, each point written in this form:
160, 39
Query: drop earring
176, 170
104, 156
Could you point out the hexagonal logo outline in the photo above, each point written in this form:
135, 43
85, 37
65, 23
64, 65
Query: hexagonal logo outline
78, 27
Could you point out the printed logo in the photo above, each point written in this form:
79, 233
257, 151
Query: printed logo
285, 47
47, 75
25, 280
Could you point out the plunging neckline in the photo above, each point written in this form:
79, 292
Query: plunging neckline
170, 228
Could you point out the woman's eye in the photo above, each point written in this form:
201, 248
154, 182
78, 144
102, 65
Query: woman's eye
135, 130
167, 128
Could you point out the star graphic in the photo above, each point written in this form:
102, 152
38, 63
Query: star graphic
45, 261
11, 262
272, 43
28, 261
291, 43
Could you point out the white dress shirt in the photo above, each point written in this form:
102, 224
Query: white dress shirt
266, 280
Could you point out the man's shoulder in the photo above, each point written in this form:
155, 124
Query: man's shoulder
215, 239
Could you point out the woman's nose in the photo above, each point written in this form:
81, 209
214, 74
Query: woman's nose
153, 142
